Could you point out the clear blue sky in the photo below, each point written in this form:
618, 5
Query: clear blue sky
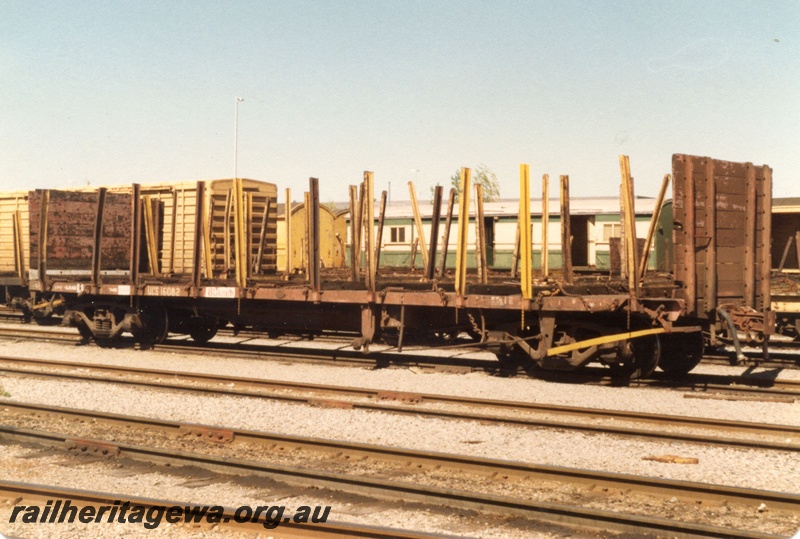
115, 92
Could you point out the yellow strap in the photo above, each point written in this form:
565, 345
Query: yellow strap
604, 340
46, 303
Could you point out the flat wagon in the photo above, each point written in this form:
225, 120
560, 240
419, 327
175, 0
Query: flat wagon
195, 256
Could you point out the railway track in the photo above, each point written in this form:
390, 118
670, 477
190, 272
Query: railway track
785, 356
695, 492
523, 414
393, 489
746, 385
30, 494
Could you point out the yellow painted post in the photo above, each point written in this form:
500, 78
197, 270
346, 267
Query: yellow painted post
623, 247
248, 244
545, 224
524, 225
207, 203
307, 234
19, 256
358, 223
418, 221
287, 212
239, 232
629, 225
150, 235
463, 229
136, 234
226, 234
369, 222
173, 230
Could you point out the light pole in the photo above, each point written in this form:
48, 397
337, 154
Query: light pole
236, 135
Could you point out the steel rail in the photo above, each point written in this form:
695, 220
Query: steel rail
35, 332
594, 374
689, 490
32, 492
739, 384
221, 386
396, 490
749, 385
599, 375
778, 359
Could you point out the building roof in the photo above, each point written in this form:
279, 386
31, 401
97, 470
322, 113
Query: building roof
786, 205
509, 207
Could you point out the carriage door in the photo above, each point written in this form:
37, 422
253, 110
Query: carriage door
488, 225
579, 229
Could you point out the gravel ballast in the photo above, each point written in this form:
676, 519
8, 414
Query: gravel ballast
770, 470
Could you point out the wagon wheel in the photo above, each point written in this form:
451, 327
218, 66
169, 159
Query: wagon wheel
511, 356
85, 333
636, 358
202, 331
680, 352
567, 334
155, 326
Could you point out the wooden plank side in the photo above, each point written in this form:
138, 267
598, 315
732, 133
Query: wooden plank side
689, 229
731, 221
729, 255
764, 255
730, 237
678, 217
732, 169
731, 202
730, 271
725, 272
736, 234
750, 238
10, 205
117, 232
710, 287
70, 229
725, 255
731, 185
730, 290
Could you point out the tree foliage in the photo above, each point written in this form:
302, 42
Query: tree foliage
480, 175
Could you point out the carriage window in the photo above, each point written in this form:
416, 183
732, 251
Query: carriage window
611, 230
397, 234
